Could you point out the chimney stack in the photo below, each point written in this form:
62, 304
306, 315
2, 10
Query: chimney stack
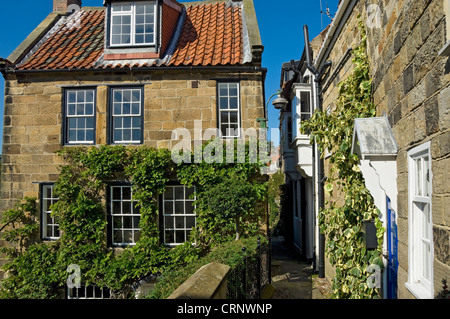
64, 5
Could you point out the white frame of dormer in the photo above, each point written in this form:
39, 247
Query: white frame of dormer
132, 12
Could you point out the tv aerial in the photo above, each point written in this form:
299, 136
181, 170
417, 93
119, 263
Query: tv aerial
326, 12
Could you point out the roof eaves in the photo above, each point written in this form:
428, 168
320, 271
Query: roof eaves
35, 36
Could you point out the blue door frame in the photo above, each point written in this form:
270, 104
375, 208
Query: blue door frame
393, 251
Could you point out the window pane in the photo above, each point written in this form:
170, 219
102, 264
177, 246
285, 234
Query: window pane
180, 236
116, 208
149, 38
136, 122
224, 129
89, 110
126, 95
117, 135
168, 222
189, 192
126, 20
136, 96
234, 117
419, 177
426, 222
71, 109
90, 136
305, 106
140, 28
190, 222
81, 96
126, 122
72, 135
189, 208
223, 89
117, 222
126, 135
126, 39
126, 193
116, 30
72, 97
140, 39
90, 96
426, 176
136, 135
170, 236
149, 28
179, 192
223, 103
117, 237
179, 222
80, 136
224, 117
179, 207
168, 194
234, 89
168, 207
127, 222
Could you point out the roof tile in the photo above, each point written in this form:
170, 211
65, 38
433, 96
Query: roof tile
211, 35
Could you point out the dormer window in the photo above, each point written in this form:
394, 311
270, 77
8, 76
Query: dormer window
133, 24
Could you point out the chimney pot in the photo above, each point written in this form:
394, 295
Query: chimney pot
63, 5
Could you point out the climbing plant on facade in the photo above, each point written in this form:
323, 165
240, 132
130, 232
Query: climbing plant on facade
342, 219
40, 270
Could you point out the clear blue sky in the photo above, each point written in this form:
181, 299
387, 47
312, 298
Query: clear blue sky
280, 23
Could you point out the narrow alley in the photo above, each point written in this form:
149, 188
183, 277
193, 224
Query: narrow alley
292, 278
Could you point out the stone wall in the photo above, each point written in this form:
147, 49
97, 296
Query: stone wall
173, 99
411, 87
209, 282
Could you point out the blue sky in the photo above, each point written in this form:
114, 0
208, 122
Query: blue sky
280, 23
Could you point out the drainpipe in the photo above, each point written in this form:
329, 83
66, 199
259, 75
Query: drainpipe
320, 163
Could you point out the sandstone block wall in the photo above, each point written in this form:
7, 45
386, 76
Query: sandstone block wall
33, 106
411, 87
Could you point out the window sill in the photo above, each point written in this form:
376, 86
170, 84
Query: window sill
419, 291
445, 51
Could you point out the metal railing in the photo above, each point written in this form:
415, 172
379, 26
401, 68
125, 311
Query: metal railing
248, 279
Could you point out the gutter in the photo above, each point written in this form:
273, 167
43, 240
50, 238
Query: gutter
338, 23
245, 68
318, 180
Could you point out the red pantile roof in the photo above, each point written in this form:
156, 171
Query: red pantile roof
212, 35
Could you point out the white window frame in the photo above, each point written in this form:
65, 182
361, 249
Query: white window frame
420, 222
299, 114
135, 119
173, 215
220, 110
77, 111
47, 201
134, 215
88, 292
132, 13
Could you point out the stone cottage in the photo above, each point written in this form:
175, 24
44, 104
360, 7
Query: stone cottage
127, 73
408, 47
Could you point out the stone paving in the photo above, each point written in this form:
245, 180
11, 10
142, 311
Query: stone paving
291, 278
